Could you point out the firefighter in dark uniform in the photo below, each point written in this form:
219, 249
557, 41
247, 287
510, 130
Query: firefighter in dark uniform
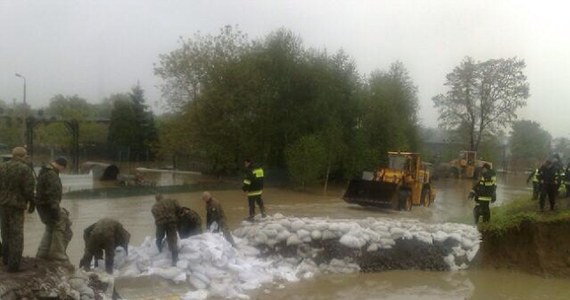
567, 179
533, 176
253, 186
189, 223
485, 192
165, 212
215, 217
16, 194
549, 180
104, 235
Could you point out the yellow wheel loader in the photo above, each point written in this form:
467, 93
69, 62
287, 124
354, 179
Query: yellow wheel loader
405, 182
467, 165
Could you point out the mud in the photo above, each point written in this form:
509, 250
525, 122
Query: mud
536, 248
43, 280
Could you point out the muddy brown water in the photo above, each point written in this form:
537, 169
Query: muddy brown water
451, 205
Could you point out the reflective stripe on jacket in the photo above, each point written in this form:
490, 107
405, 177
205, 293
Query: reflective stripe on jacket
486, 186
533, 176
253, 182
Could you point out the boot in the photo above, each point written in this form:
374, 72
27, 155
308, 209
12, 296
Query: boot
57, 247
174, 258
45, 243
159, 245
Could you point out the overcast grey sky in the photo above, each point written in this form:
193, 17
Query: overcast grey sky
98, 48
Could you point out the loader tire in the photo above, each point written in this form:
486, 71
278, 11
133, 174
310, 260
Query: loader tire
408, 204
405, 203
455, 173
426, 197
476, 173
405, 200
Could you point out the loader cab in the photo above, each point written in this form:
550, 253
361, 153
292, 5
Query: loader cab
468, 158
408, 163
398, 162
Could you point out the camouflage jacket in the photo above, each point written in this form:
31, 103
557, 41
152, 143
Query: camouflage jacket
189, 216
166, 211
215, 213
16, 184
48, 189
106, 233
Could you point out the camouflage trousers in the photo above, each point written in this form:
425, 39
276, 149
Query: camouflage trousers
94, 249
168, 229
54, 240
12, 236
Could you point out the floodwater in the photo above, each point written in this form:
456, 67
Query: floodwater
451, 205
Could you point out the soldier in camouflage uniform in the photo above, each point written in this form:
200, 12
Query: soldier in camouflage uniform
165, 212
215, 217
105, 235
189, 223
48, 198
16, 193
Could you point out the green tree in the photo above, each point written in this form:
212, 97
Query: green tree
122, 126
11, 124
306, 160
146, 134
132, 130
187, 70
256, 103
388, 115
529, 144
66, 108
172, 137
257, 98
333, 111
483, 97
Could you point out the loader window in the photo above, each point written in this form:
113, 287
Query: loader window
399, 163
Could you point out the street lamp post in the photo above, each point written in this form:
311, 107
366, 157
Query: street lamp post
25, 116
23, 77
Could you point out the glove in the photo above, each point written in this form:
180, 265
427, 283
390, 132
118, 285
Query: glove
31, 207
214, 227
471, 195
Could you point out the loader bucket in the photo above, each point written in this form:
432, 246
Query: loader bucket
370, 193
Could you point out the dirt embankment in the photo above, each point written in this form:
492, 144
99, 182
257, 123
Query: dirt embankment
541, 248
40, 279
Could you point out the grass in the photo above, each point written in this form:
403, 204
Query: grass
524, 209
